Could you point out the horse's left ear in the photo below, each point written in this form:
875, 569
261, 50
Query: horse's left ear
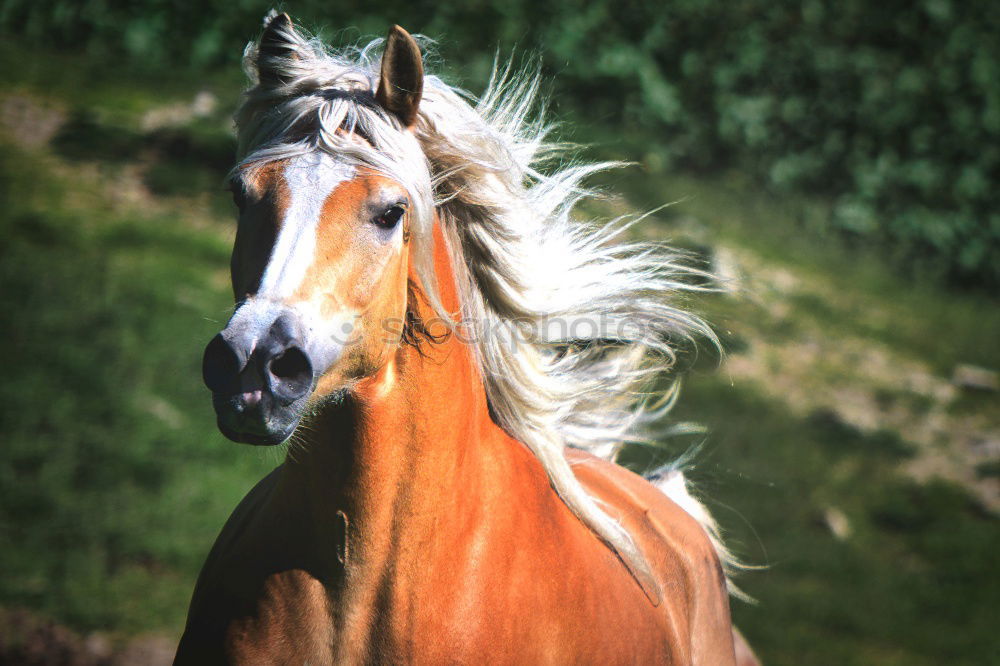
402, 79
276, 48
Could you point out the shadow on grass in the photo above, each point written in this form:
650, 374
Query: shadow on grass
180, 160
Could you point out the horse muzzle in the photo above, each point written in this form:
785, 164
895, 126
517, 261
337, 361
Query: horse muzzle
261, 376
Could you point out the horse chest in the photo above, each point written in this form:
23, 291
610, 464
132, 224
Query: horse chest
506, 614
457, 612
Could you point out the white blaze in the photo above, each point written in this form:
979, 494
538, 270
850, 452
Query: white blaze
311, 178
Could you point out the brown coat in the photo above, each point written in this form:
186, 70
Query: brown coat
408, 527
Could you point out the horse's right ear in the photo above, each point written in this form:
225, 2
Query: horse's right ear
277, 44
401, 83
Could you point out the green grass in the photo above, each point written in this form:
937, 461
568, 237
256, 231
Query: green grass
113, 480
866, 295
914, 583
109, 87
870, 300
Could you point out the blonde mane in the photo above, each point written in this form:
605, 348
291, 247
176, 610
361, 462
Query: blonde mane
571, 327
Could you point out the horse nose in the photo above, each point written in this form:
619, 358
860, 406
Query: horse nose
289, 374
235, 362
221, 366
286, 367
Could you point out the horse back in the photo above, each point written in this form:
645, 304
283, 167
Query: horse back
693, 587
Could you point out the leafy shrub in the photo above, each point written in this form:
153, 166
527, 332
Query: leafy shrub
891, 109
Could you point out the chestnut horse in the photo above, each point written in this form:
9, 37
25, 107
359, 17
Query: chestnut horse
444, 498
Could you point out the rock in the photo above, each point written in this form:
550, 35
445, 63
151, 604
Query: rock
33, 640
204, 104
179, 114
146, 651
30, 639
98, 647
837, 523
974, 377
726, 268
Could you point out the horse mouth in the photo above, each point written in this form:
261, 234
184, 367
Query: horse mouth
259, 422
260, 382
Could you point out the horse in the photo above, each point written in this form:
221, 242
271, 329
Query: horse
454, 360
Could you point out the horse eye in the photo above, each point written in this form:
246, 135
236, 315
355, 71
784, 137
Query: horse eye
390, 218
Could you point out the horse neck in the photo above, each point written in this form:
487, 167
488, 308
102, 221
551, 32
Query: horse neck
408, 443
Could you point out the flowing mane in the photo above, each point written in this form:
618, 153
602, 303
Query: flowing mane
572, 328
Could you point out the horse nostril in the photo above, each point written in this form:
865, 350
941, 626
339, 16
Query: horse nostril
293, 373
221, 366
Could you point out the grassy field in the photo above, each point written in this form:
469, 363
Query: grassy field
113, 479
872, 520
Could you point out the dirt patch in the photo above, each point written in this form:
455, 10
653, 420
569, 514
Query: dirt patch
28, 121
865, 383
180, 114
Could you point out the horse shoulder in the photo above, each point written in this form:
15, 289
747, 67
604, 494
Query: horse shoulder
679, 550
532, 553
254, 600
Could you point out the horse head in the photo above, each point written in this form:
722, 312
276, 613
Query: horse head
321, 259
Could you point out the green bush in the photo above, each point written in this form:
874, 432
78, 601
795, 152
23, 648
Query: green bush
890, 109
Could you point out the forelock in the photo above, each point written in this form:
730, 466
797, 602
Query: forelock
325, 101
